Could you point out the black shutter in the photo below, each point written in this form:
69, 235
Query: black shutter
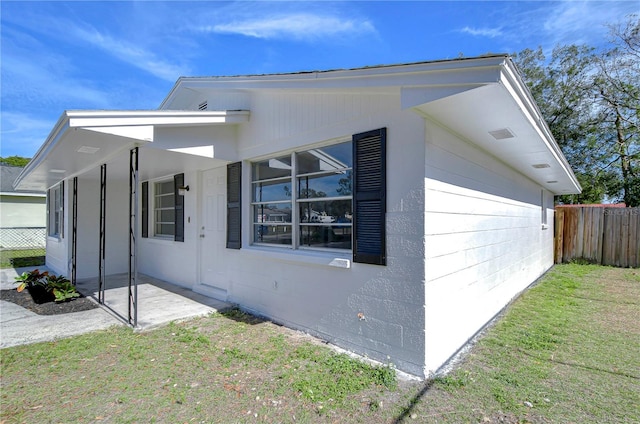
369, 199
145, 209
178, 181
234, 211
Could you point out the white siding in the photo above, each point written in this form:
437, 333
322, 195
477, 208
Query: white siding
484, 240
23, 211
285, 120
172, 260
300, 289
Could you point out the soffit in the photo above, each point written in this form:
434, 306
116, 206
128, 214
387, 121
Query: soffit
83, 140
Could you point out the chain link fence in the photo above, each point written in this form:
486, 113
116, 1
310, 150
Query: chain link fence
22, 246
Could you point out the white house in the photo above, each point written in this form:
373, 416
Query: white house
22, 213
391, 210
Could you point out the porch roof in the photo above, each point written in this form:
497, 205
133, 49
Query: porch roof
82, 140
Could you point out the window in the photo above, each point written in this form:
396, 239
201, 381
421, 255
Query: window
328, 198
543, 210
55, 211
167, 208
163, 209
304, 200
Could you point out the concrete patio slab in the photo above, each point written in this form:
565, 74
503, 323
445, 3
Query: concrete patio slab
159, 303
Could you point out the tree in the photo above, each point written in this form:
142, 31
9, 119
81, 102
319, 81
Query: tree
14, 161
617, 90
590, 99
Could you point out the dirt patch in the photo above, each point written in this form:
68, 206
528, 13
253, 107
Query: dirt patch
621, 300
25, 300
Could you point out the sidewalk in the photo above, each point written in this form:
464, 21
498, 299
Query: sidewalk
158, 304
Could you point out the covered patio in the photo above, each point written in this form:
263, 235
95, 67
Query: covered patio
160, 302
104, 157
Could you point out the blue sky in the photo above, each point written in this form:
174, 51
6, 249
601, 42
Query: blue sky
58, 56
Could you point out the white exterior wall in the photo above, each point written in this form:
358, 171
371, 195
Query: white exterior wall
300, 289
484, 240
23, 211
170, 260
58, 255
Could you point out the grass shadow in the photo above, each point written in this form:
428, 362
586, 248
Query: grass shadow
236, 314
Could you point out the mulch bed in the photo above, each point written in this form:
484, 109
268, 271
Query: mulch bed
25, 300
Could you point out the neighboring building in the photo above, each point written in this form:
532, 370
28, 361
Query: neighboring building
22, 213
391, 210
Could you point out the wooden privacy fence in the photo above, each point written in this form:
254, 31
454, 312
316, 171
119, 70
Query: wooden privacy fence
599, 234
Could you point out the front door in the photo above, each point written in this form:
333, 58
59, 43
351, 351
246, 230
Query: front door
213, 279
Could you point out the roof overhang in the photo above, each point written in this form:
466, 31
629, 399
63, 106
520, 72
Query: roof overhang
483, 100
501, 117
82, 140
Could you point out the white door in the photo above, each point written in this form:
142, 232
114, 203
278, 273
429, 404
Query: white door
213, 280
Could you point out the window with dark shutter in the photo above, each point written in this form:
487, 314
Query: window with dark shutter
369, 199
234, 213
178, 181
145, 209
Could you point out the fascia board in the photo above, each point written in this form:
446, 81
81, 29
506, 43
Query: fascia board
103, 119
438, 73
21, 194
52, 140
463, 76
518, 90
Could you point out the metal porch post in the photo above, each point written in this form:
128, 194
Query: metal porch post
133, 232
103, 204
74, 231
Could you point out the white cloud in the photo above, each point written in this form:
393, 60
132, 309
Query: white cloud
300, 26
28, 83
573, 22
482, 32
130, 53
22, 134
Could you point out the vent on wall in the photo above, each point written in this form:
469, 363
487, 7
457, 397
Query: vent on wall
202, 106
502, 134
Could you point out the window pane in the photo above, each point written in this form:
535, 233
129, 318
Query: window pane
272, 212
272, 234
328, 158
164, 229
333, 211
329, 236
164, 187
272, 168
270, 191
164, 202
332, 185
165, 215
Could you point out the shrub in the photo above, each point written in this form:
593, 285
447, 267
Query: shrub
56, 286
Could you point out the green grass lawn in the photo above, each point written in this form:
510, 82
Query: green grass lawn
565, 351
20, 258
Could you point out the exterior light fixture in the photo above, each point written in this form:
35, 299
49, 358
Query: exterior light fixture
183, 190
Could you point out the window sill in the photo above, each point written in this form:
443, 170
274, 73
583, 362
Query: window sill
301, 256
159, 240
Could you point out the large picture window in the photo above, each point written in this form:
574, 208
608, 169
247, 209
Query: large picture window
55, 203
330, 198
304, 199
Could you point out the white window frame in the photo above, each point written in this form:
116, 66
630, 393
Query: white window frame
294, 201
55, 220
543, 210
154, 222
